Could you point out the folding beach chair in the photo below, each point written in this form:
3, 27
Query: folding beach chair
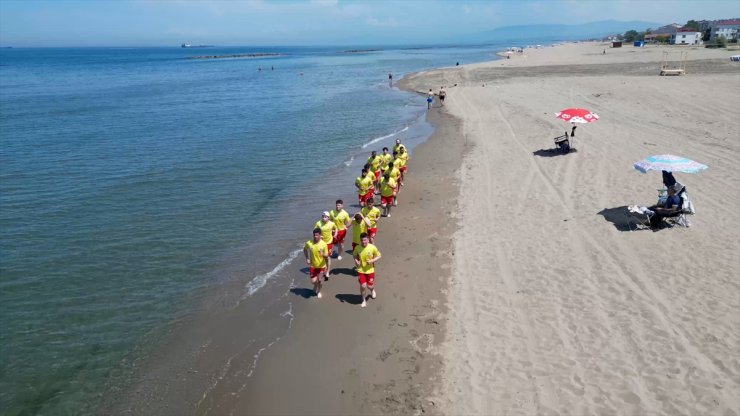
687, 208
563, 143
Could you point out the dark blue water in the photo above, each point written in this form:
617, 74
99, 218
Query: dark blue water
132, 179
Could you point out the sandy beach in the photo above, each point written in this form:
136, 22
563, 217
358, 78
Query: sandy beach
555, 304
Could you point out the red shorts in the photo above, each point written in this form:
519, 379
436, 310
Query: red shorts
330, 246
377, 175
372, 231
340, 237
386, 200
314, 271
368, 195
403, 168
368, 278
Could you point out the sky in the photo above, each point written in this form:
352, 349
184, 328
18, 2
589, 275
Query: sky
313, 22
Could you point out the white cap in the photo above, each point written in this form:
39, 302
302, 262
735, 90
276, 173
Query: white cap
326, 213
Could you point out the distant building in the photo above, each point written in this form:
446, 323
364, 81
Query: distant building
657, 37
727, 28
686, 36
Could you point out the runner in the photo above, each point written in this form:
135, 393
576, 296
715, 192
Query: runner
359, 227
398, 146
374, 161
371, 214
342, 221
385, 158
328, 234
316, 253
403, 156
371, 175
364, 185
366, 254
388, 187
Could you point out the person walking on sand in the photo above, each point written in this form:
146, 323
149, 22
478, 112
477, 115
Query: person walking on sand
328, 234
366, 254
388, 187
371, 213
316, 253
342, 221
442, 94
364, 187
430, 99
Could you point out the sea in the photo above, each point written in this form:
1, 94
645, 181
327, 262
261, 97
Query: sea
136, 182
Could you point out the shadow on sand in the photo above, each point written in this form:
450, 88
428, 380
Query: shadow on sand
351, 299
622, 219
343, 270
552, 152
303, 292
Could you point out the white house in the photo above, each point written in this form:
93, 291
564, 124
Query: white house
727, 28
686, 36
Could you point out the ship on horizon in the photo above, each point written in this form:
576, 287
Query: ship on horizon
187, 45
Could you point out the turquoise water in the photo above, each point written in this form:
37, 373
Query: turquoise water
132, 180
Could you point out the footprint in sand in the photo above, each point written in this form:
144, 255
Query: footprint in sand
423, 344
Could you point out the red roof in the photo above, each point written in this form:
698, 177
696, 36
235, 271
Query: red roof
728, 22
687, 29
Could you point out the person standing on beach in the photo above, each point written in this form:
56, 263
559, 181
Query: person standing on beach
374, 161
364, 187
387, 192
366, 254
371, 213
342, 221
390, 79
442, 94
328, 235
430, 99
316, 253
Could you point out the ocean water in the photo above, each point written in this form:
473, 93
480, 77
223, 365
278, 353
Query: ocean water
133, 181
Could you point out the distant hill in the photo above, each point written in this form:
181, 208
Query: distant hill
545, 32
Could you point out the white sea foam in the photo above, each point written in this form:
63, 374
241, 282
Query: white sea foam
260, 281
349, 162
387, 136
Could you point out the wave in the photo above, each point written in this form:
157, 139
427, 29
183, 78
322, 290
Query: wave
349, 162
387, 136
260, 281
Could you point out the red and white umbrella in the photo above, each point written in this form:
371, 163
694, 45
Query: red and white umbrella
577, 115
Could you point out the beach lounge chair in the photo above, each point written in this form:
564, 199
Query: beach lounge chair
563, 143
687, 208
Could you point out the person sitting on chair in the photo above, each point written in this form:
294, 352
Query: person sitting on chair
656, 213
671, 206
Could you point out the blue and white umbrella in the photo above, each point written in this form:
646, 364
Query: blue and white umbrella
669, 163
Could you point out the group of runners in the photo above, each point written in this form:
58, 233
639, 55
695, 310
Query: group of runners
381, 179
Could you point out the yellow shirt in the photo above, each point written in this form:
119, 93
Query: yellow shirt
316, 252
387, 187
358, 229
366, 253
340, 219
374, 162
403, 157
384, 160
397, 163
395, 172
372, 215
371, 176
326, 230
364, 184
397, 147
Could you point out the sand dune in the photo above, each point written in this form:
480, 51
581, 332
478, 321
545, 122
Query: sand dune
555, 306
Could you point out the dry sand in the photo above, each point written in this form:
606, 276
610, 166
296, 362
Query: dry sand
554, 305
